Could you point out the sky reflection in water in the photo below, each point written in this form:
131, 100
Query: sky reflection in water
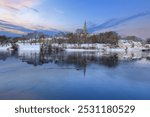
74, 75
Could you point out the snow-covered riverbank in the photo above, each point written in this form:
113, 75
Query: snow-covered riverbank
73, 47
26, 47
81, 50
5, 47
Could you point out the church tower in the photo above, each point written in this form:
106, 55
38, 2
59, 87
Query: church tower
85, 28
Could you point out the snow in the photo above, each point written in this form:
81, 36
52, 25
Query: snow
129, 44
22, 47
116, 49
123, 46
143, 62
29, 47
5, 48
81, 50
84, 47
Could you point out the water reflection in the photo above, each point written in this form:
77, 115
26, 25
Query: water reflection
46, 75
79, 59
4, 55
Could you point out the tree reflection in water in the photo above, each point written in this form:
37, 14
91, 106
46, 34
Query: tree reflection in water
80, 60
4, 55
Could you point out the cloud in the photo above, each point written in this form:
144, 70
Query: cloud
58, 11
17, 5
16, 30
115, 22
7, 27
142, 32
33, 9
15, 16
12, 30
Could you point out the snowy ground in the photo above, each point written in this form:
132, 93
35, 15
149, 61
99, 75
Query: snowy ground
72, 47
26, 47
81, 50
5, 48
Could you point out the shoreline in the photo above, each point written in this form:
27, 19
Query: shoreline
74, 48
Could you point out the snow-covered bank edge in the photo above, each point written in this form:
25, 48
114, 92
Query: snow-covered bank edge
29, 47
74, 47
5, 48
103, 50
82, 50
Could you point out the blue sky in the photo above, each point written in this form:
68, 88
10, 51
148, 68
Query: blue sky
73, 12
127, 17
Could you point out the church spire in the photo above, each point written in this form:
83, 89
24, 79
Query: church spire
85, 28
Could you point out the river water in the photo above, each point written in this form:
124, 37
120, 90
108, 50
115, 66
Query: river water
74, 75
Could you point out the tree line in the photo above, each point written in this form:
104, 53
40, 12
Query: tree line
78, 37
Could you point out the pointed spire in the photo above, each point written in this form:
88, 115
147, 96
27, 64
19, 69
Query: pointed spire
85, 28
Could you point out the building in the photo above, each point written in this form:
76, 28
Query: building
85, 28
82, 31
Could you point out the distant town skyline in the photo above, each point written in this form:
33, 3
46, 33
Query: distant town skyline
123, 16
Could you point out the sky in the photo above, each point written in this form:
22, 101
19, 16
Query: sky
127, 17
